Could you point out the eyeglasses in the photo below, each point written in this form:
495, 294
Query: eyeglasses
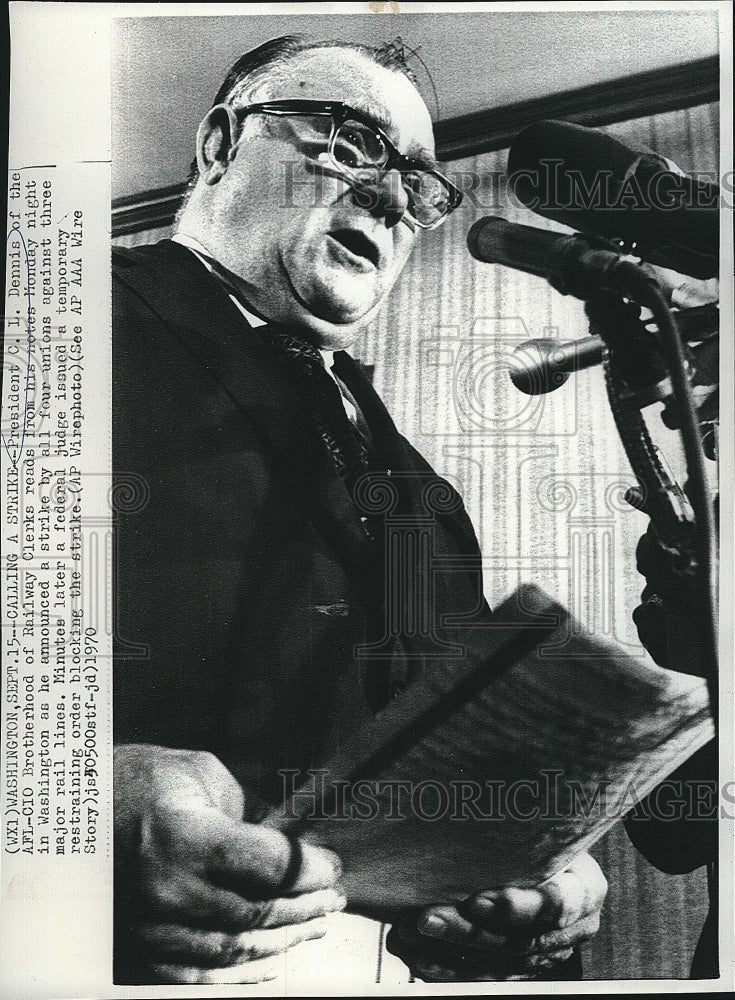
355, 144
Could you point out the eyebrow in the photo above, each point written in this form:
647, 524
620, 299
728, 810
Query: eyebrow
380, 116
423, 157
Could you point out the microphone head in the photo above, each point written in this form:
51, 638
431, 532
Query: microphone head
586, 179
493, 240
473, 238
573, 175
532, 368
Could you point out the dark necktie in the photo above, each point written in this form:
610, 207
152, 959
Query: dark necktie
323, 399
351, 457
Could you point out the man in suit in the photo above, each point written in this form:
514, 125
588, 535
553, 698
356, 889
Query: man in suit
249, 568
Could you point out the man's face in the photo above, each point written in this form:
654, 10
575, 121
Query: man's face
314, 250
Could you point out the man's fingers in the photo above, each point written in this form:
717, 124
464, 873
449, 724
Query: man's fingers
261, 971
513, 911
203, 869
246, 858
455, 930
563, 900
547, 959
253, 957
206, 907
568, 937
444, 923
504, 934
588, 873
191, 901
299, 909
250, 858
185, 898
189, 946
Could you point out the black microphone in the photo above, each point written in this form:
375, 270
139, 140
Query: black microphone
590, 181
541, 366
575, 265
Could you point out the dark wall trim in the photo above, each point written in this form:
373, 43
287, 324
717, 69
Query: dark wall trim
148, 210
652, 93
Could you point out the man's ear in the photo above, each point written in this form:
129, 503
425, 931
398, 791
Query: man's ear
216, 140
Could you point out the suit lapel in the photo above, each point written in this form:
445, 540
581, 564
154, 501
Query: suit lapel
197, 310
390, 446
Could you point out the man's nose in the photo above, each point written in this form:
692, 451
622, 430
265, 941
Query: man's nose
385, 196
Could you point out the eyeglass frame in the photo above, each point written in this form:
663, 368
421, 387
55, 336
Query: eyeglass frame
341, 113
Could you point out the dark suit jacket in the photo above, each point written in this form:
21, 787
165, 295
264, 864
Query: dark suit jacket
244, 577
675, 828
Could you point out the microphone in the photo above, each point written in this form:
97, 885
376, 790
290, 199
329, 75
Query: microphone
590, 181
543, 365
574, 264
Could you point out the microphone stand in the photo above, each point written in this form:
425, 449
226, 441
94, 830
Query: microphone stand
640, 369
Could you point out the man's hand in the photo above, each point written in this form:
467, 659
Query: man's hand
201, 896
504, 934
672, 615
683, 291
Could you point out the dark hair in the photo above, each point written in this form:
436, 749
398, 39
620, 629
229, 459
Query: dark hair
278, 51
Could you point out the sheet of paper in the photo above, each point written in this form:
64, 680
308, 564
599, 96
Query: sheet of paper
501, 774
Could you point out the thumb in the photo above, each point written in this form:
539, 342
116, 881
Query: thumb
248, 859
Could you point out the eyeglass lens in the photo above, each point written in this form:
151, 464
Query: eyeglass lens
356, 146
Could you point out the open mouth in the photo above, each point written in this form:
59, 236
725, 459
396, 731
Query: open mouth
358, 244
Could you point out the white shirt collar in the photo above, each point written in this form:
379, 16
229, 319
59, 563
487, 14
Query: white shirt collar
193, 244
